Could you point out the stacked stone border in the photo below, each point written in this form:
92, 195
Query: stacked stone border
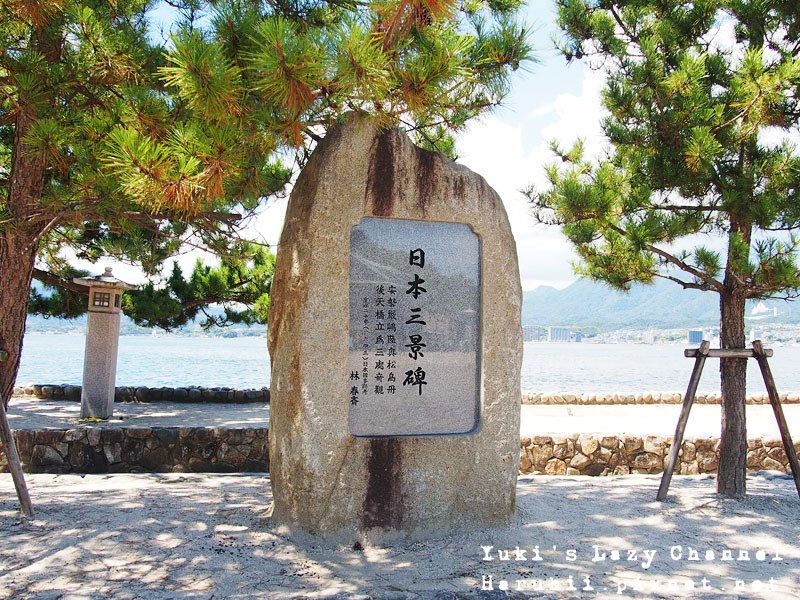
146, 449
581, 454
645, 398
94, 449
192, 394
226, 394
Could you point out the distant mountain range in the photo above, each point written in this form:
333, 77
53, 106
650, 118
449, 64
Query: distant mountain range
663, 305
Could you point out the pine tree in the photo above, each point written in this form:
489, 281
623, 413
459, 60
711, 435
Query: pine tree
110, 146
703, 101
240, 285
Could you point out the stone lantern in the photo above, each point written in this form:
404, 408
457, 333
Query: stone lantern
102, 342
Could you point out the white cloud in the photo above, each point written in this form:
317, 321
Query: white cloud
543, 110
580, 116
494, 146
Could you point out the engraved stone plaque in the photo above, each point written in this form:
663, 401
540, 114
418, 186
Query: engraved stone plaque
414, 343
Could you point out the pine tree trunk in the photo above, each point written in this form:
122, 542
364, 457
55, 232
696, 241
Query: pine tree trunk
17, 255
18, 248
733, 376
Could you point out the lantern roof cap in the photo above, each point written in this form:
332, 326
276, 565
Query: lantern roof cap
107, 280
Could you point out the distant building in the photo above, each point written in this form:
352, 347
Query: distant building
695, 337
649, 337
761, 312
578, 336
756, 334
558, 334
533, 333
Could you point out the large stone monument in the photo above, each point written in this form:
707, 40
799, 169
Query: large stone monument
102, 342
396, 345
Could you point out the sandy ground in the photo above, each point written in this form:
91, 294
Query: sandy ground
209, 536
704, 421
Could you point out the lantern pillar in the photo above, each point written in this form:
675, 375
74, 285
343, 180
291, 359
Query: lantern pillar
102, 343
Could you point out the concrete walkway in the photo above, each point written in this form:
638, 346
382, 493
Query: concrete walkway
25, 412
30, 413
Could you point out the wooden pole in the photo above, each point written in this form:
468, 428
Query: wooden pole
14, 465
774, 399
700, 359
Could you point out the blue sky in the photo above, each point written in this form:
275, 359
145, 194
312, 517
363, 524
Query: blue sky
510, 147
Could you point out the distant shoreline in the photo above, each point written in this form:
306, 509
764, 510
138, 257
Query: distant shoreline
623, 368
152, 333
626, 337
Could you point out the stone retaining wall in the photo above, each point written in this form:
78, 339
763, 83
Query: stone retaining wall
145, 394
611, 455
224, 394
210, 450
645, 398
156, 449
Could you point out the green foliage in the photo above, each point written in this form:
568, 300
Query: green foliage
690, 116
206, 82
134, 149
239, 285
294, 72
60, 301
438, 140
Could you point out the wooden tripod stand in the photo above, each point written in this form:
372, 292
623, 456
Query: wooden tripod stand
760, 354
14, 465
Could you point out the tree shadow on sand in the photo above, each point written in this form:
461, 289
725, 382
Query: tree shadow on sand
202, 536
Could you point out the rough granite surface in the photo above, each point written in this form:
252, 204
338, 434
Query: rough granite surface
324, 480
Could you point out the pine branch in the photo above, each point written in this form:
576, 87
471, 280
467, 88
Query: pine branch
761, 291
172, 216
787, 227
312, 135
54, 280
632, 37
717, 285
242, 297
686, 284
679, 208
742, 113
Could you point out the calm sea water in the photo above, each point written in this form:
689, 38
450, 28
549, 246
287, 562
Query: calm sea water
153, 361
243, 362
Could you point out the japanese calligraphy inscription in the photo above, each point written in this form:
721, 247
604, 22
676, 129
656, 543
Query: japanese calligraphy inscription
414, 343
